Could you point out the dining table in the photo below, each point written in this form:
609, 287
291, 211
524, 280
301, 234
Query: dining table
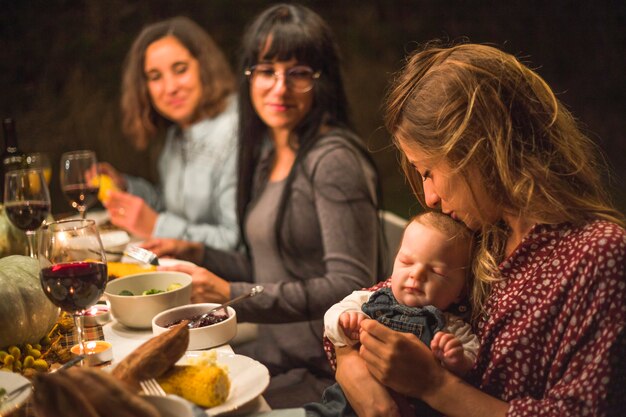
125, 340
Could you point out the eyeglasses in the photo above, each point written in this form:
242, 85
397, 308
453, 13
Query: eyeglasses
299, 79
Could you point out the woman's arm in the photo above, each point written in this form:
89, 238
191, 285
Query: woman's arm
403, 363
366, 395
146, 190
206, 286
230, 265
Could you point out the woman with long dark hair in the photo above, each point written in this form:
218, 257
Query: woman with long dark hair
307, 203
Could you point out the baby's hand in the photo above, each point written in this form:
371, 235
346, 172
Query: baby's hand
449, 350
350, 323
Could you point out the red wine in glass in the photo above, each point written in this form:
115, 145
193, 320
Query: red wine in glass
27, 202
73, 271
81, 195
74, 286
27, 215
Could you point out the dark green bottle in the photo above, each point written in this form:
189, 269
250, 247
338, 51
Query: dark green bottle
12, 158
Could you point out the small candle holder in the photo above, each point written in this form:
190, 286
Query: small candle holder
99, 314
97, 352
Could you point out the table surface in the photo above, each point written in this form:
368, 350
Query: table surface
125, 340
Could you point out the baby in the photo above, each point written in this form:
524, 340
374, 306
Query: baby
429, 279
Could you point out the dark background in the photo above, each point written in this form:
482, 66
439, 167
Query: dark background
61, 61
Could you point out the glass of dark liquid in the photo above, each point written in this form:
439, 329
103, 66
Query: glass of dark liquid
73, 268
80, 181
27, 202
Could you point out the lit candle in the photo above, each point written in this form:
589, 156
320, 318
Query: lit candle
97, 315
97, 351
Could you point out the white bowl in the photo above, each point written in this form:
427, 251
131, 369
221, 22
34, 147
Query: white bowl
170, 406
201, 337
114, 241
137, 311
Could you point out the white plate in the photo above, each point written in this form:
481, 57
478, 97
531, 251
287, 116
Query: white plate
171, 405
10, 381
248, 379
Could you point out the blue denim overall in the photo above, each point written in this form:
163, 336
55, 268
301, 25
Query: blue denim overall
423, 322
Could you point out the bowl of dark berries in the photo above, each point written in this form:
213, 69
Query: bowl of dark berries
205, 330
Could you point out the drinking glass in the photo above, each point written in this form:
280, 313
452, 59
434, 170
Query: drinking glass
26, 202
80, 180
39, 160
73, 268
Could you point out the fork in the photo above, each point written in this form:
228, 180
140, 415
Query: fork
142, 255
11, 395
152, 387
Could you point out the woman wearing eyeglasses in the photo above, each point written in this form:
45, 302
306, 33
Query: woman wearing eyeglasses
176, 78
307, 203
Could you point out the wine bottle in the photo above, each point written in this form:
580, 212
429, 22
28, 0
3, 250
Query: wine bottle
12, 158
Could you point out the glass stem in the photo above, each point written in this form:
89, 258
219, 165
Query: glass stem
83, 212
30, 237
80, 331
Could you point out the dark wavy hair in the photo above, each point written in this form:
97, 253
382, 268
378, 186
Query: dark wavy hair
284, 32
140, 120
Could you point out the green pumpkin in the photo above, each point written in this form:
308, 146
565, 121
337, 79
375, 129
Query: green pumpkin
26, 314
12, 240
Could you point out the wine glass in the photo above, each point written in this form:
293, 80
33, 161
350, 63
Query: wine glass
27, 202
80, 181
73, 268
39, 160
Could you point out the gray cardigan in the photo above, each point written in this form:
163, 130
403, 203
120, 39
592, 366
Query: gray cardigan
330, 232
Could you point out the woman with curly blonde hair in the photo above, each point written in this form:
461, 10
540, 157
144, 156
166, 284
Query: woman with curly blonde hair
485, 140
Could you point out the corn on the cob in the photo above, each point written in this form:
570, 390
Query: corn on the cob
206, 386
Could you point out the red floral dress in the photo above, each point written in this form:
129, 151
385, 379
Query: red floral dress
554, 341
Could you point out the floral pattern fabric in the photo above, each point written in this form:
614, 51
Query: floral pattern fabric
554, 340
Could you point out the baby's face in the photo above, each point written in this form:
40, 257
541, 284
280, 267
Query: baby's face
430, 269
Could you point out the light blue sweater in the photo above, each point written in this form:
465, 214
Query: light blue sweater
196, 197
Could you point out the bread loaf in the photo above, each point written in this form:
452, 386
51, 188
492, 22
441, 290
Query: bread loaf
154, 357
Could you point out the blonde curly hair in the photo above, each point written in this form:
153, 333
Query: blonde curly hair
481, 109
